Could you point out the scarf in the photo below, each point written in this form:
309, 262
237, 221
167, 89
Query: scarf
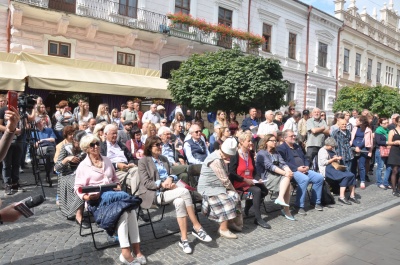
384, 131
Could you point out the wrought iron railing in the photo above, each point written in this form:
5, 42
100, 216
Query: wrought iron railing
136, 18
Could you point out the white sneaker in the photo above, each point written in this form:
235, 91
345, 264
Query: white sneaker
202, 235
123, 260
184, 244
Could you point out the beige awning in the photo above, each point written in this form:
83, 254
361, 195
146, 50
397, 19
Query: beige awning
56, 73
12, 76
58, 77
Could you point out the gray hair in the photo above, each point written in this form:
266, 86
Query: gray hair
286, 132
162, 130
110, 127
81, 122
297, 114
98, 127
191, 128
330, 141
86, 141
269, 112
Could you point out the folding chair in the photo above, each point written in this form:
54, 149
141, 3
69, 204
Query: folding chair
89, 215
152, 222
193, 172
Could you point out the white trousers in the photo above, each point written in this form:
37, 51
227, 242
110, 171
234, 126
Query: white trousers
181, 198
128, 226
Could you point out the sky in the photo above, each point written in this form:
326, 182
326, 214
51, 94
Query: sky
328, 6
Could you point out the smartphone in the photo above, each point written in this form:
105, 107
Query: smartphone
12, 99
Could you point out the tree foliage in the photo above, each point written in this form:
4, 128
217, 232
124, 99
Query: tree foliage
228, 80
380, 99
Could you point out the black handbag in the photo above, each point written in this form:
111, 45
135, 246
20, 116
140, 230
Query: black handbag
327, 197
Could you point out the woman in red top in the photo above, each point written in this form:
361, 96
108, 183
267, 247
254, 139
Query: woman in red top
244, 178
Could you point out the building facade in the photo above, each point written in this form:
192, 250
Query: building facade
138, 33
369, 51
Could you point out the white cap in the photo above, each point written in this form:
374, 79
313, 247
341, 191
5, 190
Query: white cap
229, 146
160, 107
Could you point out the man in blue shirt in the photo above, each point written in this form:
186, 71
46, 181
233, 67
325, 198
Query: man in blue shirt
250, 122
45, 145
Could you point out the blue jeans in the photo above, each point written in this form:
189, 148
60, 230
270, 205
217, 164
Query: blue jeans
362, 158
381, 161
302, 181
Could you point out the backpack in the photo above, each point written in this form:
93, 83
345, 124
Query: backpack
327, 197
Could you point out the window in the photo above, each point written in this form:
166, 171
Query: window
225, 18
321, 98
59, 49
267, 30
182, 6
290, 92
128, 8
398, 79
389, 76
358, 64
369, 71
68, 6
378, 72
322, 54
346, 60
292, 45
125, 58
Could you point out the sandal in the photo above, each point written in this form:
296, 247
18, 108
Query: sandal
382, 187
389, 187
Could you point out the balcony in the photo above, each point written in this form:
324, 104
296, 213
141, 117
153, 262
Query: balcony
136, 18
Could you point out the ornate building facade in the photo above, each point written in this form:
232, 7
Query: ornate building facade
118, 34
369, 51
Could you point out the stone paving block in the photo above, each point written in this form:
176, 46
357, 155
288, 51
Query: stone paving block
345, 260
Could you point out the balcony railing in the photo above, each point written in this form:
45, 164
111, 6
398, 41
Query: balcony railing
136, 18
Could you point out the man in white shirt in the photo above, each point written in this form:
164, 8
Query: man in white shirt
268, 126
151, 115
90, 126
353, 119
291, 123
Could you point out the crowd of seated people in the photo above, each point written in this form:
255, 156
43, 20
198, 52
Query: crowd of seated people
239, 162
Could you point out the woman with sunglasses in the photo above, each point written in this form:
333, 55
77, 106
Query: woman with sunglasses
157, 184
271, 166
97, 170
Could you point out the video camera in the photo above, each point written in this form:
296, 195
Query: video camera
26, 102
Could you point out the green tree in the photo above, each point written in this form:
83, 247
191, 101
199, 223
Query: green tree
228, 80
380, 99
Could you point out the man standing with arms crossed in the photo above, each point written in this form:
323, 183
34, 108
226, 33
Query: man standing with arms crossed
317, 129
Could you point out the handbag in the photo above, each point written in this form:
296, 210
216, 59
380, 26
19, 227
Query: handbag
384, 150
338, 166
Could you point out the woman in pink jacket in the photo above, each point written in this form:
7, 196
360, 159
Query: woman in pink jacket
362, 144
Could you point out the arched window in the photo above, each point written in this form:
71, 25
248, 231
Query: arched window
168, 67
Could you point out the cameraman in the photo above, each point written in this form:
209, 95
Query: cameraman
10, 122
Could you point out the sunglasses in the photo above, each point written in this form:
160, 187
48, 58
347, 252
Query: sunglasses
291, 109
94, 144
197, 132
157, 145
163, 122
323, 115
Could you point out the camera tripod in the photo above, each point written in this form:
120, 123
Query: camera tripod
31, 140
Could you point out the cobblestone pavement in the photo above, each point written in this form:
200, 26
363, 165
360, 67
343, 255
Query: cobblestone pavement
48, 238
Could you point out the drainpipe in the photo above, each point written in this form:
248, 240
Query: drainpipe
8, 28
337, 60
248, 17
307, 50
